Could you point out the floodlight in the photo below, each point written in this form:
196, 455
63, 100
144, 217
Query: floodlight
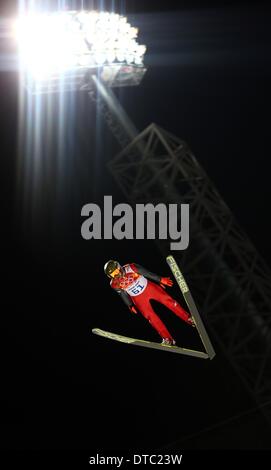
64, 47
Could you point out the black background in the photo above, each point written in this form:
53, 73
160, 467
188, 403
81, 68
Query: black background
208, 82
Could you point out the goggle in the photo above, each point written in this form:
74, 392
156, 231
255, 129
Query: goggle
115, 272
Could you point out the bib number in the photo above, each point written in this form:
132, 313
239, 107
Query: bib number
136, 290
138, 287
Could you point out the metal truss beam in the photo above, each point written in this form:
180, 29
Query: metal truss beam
115, 116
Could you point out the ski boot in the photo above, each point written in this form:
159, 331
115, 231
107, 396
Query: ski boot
191, 322
168, 342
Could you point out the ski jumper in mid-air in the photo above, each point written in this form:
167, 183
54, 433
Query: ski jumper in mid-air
137, 286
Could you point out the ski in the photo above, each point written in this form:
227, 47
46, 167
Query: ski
191, 306
149, 344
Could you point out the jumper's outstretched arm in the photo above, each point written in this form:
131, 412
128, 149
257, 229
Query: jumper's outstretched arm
141, 270
125, 297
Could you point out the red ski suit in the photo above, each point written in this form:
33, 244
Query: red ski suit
136, 288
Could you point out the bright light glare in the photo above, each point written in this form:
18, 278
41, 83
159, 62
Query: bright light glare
57, 42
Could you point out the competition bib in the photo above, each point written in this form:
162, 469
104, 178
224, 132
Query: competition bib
137, 287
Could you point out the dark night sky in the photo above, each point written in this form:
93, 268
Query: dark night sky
208, 82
